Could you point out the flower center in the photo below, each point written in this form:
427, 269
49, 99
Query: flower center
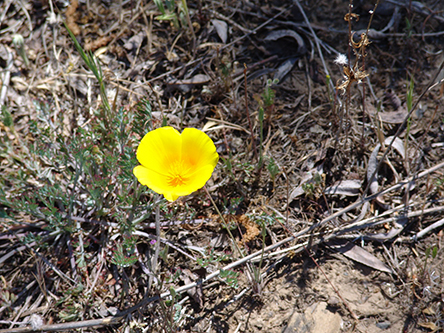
176, 180
177, 174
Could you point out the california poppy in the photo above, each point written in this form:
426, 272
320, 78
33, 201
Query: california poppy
175, 164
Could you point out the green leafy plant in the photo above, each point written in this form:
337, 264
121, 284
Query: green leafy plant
408, 28
266, 106
230, 277
63, 178
314, 187
177, 16
6, 118
124, 255
168, 12
171, 312
431, 252
269, 94
273, 169
93, 64
212, 258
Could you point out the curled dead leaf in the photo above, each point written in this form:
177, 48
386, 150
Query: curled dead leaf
277, 34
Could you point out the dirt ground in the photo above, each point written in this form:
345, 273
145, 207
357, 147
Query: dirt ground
330, 177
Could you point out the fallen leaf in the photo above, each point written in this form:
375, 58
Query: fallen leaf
284, 69
398, 144
360, 255
429, 311
430, 326
393, 117
349, 188
221, 29
197, 79
135, 41
186, 85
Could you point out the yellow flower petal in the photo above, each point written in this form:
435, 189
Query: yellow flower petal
198, 149
199, 178
175, 164
150, 178
159, 148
